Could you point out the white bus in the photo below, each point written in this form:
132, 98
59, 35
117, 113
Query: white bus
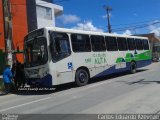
55, 56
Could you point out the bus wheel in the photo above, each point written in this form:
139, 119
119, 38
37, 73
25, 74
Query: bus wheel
133, 68
81, 77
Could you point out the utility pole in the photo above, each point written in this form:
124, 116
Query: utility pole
108, 8
8, 30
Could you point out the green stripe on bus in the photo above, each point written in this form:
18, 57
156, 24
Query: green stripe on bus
136, 57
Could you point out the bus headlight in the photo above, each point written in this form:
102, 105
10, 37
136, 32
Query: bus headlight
43, 72
26, 74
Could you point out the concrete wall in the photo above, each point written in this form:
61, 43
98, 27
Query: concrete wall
24, 19
19, 25
2, 45
42, 21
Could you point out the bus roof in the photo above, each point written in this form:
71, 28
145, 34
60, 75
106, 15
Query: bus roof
91, 32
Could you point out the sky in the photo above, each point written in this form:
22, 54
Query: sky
126, 17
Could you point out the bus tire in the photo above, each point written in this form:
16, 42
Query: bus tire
133, 68
81, 77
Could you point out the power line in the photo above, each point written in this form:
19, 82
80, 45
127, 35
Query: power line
136, 26
147, 21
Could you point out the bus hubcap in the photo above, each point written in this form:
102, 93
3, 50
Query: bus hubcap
82, 77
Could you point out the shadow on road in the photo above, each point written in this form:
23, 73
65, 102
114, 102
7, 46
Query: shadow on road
108, 77
3, 94
26, 92
68, 86
94, 80
141, 81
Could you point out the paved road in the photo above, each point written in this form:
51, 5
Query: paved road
124, 93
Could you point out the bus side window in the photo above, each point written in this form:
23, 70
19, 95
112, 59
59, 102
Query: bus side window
59, 46
139, 44
53, 48
111, 43
131, 43
122, 44
80, 43
98, 43
145, 45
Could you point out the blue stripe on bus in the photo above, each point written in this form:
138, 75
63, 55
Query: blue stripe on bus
47, 81
43, 82
143, 63
113, 69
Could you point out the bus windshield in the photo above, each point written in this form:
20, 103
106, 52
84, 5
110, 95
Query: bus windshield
36, 52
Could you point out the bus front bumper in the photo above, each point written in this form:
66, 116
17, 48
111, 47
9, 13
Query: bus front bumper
40, 82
